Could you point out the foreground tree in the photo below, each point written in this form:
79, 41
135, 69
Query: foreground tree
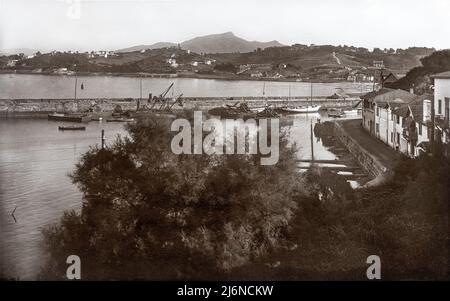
150, 214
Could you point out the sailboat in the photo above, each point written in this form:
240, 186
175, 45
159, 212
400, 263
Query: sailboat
260, 109
303, 109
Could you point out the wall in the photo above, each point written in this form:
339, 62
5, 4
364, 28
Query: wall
372, 166
441, 90
41, 107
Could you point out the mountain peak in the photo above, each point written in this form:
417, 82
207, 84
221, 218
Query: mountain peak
226, 42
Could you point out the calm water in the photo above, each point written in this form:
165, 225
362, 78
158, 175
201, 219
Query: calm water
45, 86
35, 159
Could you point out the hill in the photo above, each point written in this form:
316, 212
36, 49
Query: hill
144, 47
215, 43
419, 77
225, 43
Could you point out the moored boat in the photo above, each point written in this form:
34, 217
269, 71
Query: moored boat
69, 117
302, 109
336, 114
120, 120
72, 128
350, 112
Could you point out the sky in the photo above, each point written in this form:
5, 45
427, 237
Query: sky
86, 25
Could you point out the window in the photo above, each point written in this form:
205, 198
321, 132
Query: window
420, 129
392, 137
440, 107
378, 111
398, 119
377, 127
447, 100
398, 137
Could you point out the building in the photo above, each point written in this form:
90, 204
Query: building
378, 64
11, 63
441, 108
382, 96
404, 121
388, 79
442, 96
172, 62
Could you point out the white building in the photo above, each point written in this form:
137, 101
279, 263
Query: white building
404, 126
442, 95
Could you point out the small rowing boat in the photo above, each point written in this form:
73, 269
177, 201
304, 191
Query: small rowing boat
351, 112
72, 128
120, 120
336, 114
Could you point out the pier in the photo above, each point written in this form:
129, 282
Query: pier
18, 108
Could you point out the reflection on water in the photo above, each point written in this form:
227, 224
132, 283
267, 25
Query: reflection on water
35, 159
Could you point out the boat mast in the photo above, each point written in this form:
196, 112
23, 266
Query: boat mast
264, 94
311, 94
312, 143
289, 92
76, 83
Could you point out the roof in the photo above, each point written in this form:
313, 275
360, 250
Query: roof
374, 94
401, 111
415, 106
386, 95
445, 74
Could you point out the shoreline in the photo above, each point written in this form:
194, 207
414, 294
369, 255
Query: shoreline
178, 75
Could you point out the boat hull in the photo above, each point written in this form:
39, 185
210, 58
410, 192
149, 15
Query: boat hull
310, 109
68, 118
72, 128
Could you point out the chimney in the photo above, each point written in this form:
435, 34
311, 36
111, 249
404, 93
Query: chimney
426, 110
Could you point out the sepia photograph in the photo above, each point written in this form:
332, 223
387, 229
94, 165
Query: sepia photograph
226, 141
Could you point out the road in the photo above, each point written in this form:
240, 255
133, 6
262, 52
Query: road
336, 58
386, 155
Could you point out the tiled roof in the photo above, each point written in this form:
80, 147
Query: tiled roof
373, 94
445, 74
386, 95
401, 110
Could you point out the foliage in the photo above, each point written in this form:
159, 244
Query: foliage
405, 222
150, 214
227, 67
419, 77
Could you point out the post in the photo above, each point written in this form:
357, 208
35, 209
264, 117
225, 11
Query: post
432, 127
103, 139
76, 84
312, 145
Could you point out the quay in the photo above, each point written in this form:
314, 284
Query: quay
39, 108
377, 158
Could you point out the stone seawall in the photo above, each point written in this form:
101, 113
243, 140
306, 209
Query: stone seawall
17, 108
367, 160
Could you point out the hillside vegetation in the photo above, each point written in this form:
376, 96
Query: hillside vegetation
419, 77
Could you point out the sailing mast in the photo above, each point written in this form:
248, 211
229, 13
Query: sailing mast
264, 94
76, 83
